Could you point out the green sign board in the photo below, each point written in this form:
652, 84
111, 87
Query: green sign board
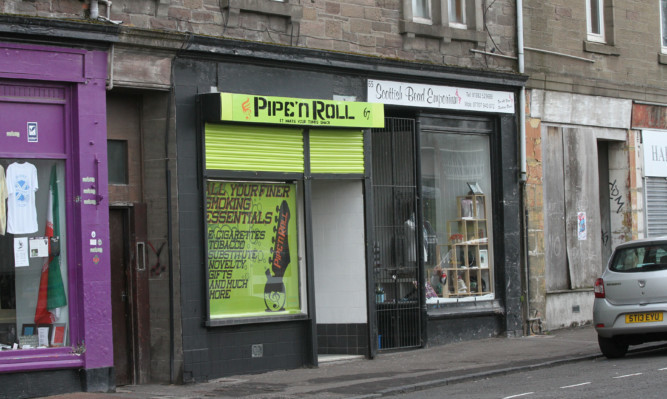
253, 267
298, 111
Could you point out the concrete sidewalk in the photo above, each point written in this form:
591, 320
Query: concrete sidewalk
388, 373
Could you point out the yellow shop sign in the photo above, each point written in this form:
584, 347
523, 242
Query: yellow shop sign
233, 107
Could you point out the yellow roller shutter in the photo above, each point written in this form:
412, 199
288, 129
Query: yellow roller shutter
336, 151
253, 148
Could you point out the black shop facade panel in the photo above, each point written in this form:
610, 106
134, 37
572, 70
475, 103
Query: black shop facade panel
273, 225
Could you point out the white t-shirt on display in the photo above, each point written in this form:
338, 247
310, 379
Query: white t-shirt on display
21, 185
3, 198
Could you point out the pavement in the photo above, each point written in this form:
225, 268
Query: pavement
390, 372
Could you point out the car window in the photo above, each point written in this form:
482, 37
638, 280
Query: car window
640, 259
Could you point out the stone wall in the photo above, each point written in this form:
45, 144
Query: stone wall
367, 27
629, 65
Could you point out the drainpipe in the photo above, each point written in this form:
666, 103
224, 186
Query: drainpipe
522, 96
110, 67
523, 171
94, 9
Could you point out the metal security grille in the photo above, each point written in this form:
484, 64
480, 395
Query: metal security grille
656, 206
395, 247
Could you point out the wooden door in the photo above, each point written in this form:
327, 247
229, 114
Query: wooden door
121, 317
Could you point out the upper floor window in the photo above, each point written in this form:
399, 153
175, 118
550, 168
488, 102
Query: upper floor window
595, 20
663, 24
457, 13
460, 20
421, 11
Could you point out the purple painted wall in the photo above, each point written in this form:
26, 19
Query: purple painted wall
80, 138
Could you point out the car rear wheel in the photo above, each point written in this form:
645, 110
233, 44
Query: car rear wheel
612, 347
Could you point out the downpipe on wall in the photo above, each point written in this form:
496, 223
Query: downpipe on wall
95, 11
523, 171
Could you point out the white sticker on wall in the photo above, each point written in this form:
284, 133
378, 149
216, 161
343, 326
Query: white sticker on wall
32, 132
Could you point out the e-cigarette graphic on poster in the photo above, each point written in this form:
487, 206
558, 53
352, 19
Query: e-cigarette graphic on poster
251, 242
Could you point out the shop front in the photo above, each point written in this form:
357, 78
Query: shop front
447, 213
315, 214
55, 324
273, 186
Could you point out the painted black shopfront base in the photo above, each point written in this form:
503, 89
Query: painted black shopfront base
229, 350
56, 382
443, 330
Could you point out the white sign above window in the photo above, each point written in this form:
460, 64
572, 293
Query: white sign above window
443, 97
655, 153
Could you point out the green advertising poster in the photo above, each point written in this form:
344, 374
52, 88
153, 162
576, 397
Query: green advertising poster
253, 265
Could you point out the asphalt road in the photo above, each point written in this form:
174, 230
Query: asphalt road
638, 375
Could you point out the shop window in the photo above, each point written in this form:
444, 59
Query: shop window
33, 254
456, 188
117, 160
252, 251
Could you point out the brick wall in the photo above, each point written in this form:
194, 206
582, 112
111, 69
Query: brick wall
533, 199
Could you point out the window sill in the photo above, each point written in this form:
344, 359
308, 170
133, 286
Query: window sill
600, 48
22, 360
445, 33
255, 320
467, 309
662, 58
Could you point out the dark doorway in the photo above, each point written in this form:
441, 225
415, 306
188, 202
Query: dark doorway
120, 291
396, 235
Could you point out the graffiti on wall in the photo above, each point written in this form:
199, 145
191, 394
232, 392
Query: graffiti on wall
616, 196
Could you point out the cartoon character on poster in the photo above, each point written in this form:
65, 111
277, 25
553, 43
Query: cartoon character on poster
581, 225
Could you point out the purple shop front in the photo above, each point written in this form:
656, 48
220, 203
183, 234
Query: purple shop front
55, 308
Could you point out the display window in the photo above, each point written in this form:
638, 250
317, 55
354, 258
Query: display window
33, 254
252, 250
456, 181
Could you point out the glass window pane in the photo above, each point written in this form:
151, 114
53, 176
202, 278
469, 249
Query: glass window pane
595, 10
33, 255
457, 11
663, 11
456, 178
421, 9
117, 159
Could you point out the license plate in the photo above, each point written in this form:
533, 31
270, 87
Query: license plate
643, 317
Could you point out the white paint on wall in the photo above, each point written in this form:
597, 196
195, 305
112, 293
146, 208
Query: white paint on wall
560, 313
579, 109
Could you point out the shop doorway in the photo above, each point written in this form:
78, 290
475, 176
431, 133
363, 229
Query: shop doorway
129, 293
396, 255
340, 267
128, 229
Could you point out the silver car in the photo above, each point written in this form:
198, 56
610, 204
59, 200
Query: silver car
631, 297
